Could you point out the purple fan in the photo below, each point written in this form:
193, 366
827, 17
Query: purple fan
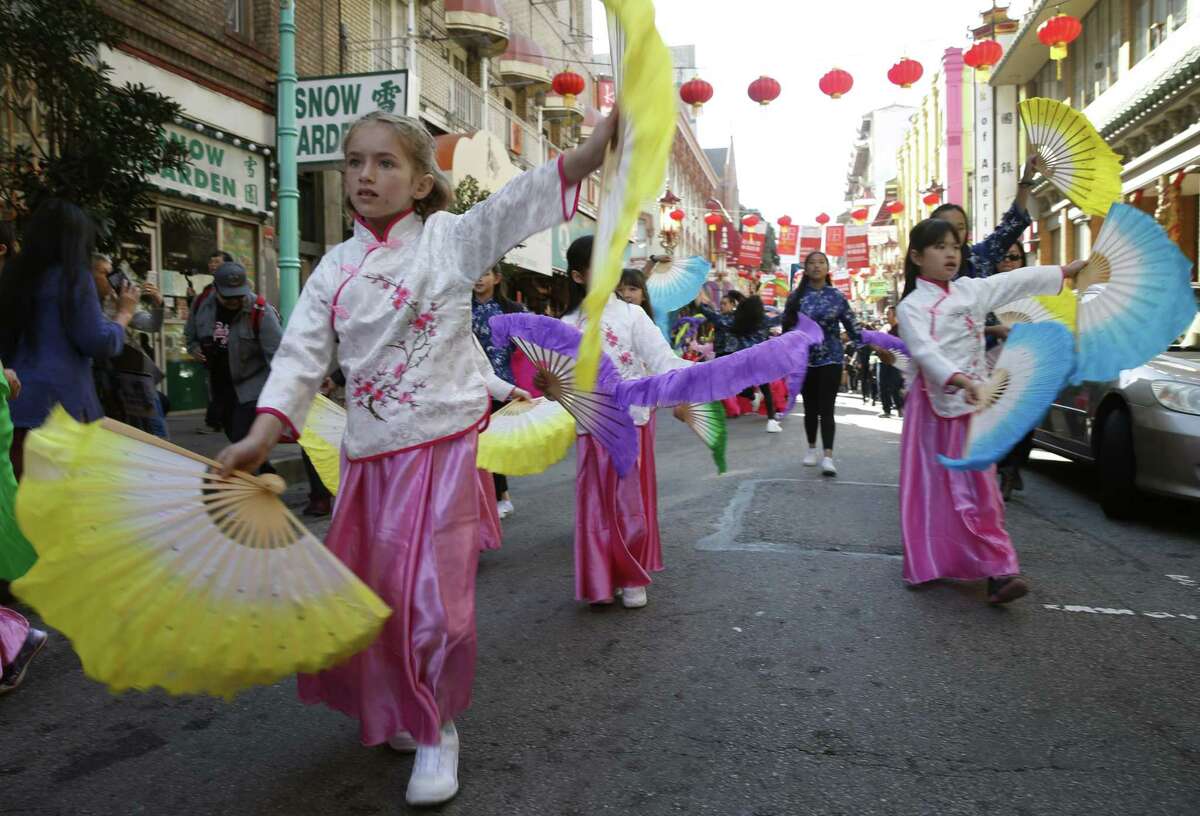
885, 341
552, 346
717, 379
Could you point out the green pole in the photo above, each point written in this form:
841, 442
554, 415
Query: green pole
285, 145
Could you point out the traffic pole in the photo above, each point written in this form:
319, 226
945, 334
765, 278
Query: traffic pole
286, 138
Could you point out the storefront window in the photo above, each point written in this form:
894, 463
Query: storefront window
188, 239
241, 241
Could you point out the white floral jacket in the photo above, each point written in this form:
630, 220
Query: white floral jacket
395, 312
633, 343
942, 325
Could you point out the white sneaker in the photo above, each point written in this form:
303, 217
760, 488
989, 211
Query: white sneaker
633, 597
773, 426
435, 771
810, 458
827, 467
403, 742
505, 508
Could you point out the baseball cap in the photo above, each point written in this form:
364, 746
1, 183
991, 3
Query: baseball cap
230, 280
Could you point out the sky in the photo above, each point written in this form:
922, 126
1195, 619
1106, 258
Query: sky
792, 155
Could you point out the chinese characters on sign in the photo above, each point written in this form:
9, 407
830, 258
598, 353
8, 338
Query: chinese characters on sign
752, 250
835, 240
857, 252
810, 241
606, 96
216, 171
788, 237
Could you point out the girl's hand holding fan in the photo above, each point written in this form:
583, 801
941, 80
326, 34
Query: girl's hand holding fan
249, 453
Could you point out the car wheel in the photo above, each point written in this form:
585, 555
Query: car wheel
1116, 466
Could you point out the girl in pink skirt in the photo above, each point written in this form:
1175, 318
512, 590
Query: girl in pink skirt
953, 521
617, 544
392, 307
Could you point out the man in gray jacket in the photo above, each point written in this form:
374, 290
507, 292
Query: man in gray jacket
237, 334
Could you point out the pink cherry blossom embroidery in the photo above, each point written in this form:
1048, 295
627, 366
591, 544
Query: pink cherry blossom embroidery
399, 370
422, 321
391, 384
626, 358
401, 297
610, 336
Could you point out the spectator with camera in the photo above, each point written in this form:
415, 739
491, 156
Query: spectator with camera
127, 384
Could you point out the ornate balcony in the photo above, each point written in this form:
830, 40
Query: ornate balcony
478, 25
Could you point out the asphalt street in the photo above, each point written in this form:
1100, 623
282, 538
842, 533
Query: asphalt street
781, 667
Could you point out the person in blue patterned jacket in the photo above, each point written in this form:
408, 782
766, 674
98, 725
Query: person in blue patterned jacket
486, 303
820, 300
723, 341
980, 260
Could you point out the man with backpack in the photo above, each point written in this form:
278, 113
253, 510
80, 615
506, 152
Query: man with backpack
236, 335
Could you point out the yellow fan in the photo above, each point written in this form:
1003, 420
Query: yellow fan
634, 172
1040, 309
526, 437
164, 574
321, 439
1072, 155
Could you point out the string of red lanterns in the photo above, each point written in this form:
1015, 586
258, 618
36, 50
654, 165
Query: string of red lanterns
750, 221
982, 56
822, 219
836, 83
860, 214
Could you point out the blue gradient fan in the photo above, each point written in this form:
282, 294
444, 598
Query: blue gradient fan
1033, 367
1136, 296
673, 285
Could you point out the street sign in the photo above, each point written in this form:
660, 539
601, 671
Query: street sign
326, 107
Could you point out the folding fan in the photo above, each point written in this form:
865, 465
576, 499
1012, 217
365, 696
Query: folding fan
1072, 155
1136, 296
16, 556
635, 170
892, 351
1031, 370
526, 437
552, 347
673, 285
321, 439
163, 573
780, 358
1042, 309
707, 419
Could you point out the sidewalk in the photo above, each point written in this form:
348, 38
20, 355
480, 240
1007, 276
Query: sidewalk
188, 430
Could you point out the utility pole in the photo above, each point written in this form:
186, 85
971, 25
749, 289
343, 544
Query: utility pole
286, 138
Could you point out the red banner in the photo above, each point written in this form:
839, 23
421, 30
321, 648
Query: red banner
752, 249
858, 254
835, 241
788, 236
606, 96
810, 241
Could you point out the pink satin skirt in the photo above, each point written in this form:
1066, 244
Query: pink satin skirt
952, 520
409, 526
13, 631
616, 520
490, 534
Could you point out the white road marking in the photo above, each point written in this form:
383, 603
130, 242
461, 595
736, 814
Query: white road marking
1104, 610
1185, 581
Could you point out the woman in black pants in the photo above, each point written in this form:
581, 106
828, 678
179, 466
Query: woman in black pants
821, 301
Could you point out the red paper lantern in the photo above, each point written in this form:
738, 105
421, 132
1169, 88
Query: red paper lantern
678, 215
750, 221
822, 219
1057, 33
895, 207
932, 199
713, 220
568, 85
785, 221
696, 92
982, 56
764, 90
860, 214
836, 83
905, 72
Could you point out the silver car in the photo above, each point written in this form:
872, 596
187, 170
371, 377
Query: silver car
1141, 431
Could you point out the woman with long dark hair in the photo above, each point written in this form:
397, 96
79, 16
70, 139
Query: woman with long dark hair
51, 326
722, 321
820, 300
